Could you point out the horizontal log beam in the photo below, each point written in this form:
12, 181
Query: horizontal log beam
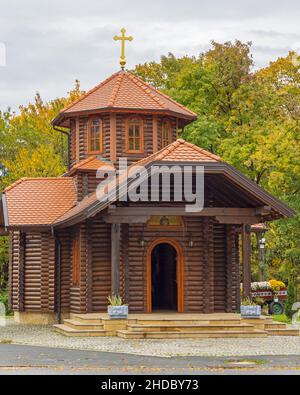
133, 219
237, 220
206, 212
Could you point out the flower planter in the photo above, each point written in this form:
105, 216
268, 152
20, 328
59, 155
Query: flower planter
250, 311
118, 312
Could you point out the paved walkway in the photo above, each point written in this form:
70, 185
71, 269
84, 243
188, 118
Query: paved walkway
19, 359
46, 336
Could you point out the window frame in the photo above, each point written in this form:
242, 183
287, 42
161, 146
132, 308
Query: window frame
89, 125
169, 123
127, 149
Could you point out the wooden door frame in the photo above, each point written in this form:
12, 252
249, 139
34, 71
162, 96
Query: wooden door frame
179, 270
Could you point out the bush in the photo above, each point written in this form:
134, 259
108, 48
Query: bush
4, 299
290, 300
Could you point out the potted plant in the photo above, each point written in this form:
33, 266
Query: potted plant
250, 309
117, 309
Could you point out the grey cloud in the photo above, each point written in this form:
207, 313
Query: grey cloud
52, 43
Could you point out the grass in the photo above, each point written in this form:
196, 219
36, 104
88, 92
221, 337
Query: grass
282, 318
5, 341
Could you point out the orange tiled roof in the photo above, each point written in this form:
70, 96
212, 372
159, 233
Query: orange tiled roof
180, 151
39, 201
89, 164
123, 90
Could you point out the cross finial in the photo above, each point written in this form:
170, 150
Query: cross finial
123, 38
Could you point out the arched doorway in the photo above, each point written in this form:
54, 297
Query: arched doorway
165, 276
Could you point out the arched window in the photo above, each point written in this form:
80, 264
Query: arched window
95, 136
166, 133
134, 135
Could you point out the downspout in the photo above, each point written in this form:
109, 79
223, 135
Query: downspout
5, 211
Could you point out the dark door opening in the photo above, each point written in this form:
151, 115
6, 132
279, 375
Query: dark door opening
164, 278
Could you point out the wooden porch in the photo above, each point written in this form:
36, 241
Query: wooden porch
173, 326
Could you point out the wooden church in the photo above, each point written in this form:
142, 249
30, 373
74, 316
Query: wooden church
69, 251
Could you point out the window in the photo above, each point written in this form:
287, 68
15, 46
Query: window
166, 134
76, 260
134, 135
95, 138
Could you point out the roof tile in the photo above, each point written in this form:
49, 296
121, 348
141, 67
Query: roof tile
124, 90
39, 201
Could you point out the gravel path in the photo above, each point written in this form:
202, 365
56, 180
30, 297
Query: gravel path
47, 337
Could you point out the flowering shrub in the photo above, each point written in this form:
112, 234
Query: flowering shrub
272, 285
277, 286
261, 286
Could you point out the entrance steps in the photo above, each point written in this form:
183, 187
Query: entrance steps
173, 326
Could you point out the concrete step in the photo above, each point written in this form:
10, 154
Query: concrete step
191, 335
199, 327
275, 325
68, 331
283, 332
80, 325
176, 322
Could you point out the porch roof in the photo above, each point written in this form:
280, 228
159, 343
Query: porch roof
183, 153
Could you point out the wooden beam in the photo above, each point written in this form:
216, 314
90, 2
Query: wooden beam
246, 253
22, 247
115, 258
89, 266
237, 220
111, 219
77, 138
155, 134
113, 137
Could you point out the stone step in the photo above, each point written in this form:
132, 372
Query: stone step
87, 318
283, 332
80, 325
191, 335
174, 322
275, 325
68, 331
190, 328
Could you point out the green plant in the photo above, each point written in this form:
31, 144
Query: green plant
281, 318
248, 302
4, 299
259, 301
115, 300
291, 299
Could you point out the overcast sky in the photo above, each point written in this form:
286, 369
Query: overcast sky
51, 43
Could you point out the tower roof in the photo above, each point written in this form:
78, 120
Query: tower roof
123, 91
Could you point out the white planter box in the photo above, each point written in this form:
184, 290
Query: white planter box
250, 311
118, 312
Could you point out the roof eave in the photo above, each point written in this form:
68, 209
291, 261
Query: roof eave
64, 116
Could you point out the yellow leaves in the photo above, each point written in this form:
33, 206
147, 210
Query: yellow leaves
40, 162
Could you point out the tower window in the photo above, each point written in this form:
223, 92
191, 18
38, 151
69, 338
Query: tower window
95, 136
134, 135
166, 133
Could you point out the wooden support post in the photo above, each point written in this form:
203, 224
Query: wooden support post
89, 228
246, 246
113, 137
22, 270
155, 133
77, 138
115, 258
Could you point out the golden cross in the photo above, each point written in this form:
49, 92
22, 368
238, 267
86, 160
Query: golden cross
123, 38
